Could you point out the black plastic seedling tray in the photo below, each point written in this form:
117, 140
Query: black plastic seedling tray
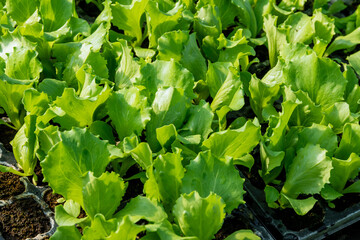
32, 192
332, 222
244, 212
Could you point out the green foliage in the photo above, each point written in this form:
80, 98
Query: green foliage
168, 97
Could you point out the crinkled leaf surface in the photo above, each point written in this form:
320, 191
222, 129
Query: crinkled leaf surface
102, 194
77, 153
131, 112
142, 208
207, 174
169, 107
197, 216
308, 173
234, 143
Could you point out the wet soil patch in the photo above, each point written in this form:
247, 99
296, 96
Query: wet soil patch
51, 199
312, 220
10, 185
6, 136
23, 219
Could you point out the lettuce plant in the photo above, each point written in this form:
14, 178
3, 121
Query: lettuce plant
169, 94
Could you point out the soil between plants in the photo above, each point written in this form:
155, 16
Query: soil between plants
312, 220
232, 223
23, 219
10, 185
6, 136
51, 199
346, 201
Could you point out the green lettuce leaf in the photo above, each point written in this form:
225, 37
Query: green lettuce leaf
308, 173
337, 116
320, 78
103, 194
165, 74
199, 121
169, 107
220, 177
66, 232
318, 134
230, 94
100, 228
25, 145
182, 47
234, 143
324, 28
20, 10
215, 76
131, 113
350, 141
243, 235
343, 171
55, 13
126, 230
127, 17
35, 103
77, 153
301, 206
142, 154
65, 216
142, 208
228, 11
344, 42
262, 94
200, 217
354, 61
160, 22
79, 111
207, 22
128, 68
168, 173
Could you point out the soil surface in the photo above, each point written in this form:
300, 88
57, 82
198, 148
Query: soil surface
312, 220
6, 136
23, 219
10, 185
346, 201
233, 223
51, 199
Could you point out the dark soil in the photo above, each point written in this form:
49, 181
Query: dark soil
312, 220
6, 136
261, 68
346, 201
10, 185
51, 199
253, 175
23, 219
232, 223
135, 186
246, 112
82, 214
